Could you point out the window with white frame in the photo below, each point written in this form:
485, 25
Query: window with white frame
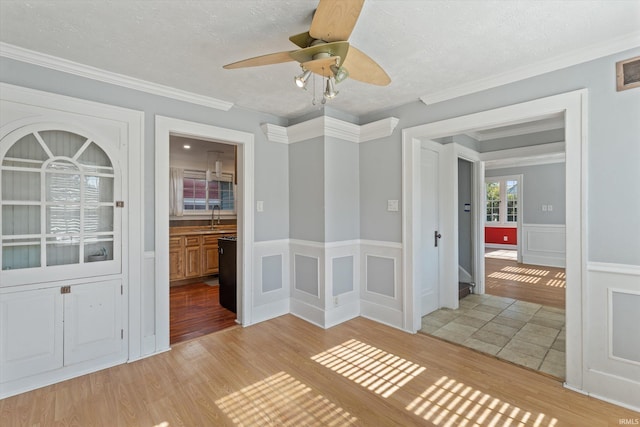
201, 196
501, 196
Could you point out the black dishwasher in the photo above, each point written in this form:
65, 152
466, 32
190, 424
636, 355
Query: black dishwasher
227, 272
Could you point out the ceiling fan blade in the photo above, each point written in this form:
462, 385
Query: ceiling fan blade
362, 68
268, 59
334, 19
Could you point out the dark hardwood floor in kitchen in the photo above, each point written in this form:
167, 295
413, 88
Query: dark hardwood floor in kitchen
195, 311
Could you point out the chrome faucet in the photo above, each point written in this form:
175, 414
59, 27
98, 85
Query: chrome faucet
213, 211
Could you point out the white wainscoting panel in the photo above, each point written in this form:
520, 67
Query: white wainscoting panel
612, 368
270, 298
305, 304
381, 301
544, 244
342, 301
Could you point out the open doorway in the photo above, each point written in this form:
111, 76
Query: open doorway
202, 226
566, 106
520, 315
244, 143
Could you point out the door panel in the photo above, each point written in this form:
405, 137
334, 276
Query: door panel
93, 321
30, 333
429, 252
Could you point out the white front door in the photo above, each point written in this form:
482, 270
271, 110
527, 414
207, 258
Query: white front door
429, 224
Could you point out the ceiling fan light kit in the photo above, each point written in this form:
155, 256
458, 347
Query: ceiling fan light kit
324, 50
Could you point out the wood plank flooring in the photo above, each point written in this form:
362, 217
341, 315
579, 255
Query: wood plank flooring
524, 282
195, 310
286, 371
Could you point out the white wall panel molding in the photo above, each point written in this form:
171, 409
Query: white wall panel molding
612, 351
66, 66
331, 127
544, 244
270, 300
381, 290
577, 57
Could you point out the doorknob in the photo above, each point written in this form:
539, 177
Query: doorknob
436, 236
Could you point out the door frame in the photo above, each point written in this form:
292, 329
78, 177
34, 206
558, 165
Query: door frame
574, 107
165, 127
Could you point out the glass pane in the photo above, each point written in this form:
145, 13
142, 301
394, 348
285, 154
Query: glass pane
63, 187
98, 189
63, 250
62, 143
23, 186
94, 156
63, 219
98, 218
98, 249
28, 148
194, 193
20, 220
23, 256
493, 201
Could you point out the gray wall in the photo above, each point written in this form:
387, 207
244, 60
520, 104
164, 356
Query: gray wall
271, 173
306, 190
465, 219
341, 192
542, 185
613, 153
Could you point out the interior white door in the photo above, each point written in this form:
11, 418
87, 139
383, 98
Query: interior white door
429, 225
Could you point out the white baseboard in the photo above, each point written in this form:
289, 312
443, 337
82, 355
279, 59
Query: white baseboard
342, 313
382, 314
269, 311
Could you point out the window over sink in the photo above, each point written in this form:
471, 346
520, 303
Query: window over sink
201, 196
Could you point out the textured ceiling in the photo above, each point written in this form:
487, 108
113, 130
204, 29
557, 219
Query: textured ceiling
425, 46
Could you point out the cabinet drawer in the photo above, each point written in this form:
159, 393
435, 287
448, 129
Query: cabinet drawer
192, 240
175, 242
210, 240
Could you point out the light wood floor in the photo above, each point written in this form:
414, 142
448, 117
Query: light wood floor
524, 282
288, 372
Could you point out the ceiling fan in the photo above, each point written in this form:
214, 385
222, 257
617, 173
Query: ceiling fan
324, 49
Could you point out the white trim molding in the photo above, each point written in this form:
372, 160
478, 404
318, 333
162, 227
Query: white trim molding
330, 127
59, 64
612, 352
544, 244
590, 53
525, 156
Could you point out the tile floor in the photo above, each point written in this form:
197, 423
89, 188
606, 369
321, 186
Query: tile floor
521, 332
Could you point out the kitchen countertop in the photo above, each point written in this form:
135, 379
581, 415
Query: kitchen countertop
202, 230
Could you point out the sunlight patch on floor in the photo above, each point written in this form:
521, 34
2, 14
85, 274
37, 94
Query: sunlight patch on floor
514, 277
378, 371
502, 254
529, 271
282, 400
449, 402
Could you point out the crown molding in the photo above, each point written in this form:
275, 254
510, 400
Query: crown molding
525, 156
533, 127
579, 56
331, 127
59, 64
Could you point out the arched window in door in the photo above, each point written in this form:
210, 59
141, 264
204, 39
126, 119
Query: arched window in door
57, 199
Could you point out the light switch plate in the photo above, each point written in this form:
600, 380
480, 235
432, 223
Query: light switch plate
260, 206
392, 205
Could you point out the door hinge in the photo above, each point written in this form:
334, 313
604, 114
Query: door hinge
121, 290
65, 290
121, 334
120, 204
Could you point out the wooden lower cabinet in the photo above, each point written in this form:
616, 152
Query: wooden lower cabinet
194, 256
176, 258
209, 255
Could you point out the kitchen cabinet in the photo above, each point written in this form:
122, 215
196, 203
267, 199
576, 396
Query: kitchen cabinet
193, 251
